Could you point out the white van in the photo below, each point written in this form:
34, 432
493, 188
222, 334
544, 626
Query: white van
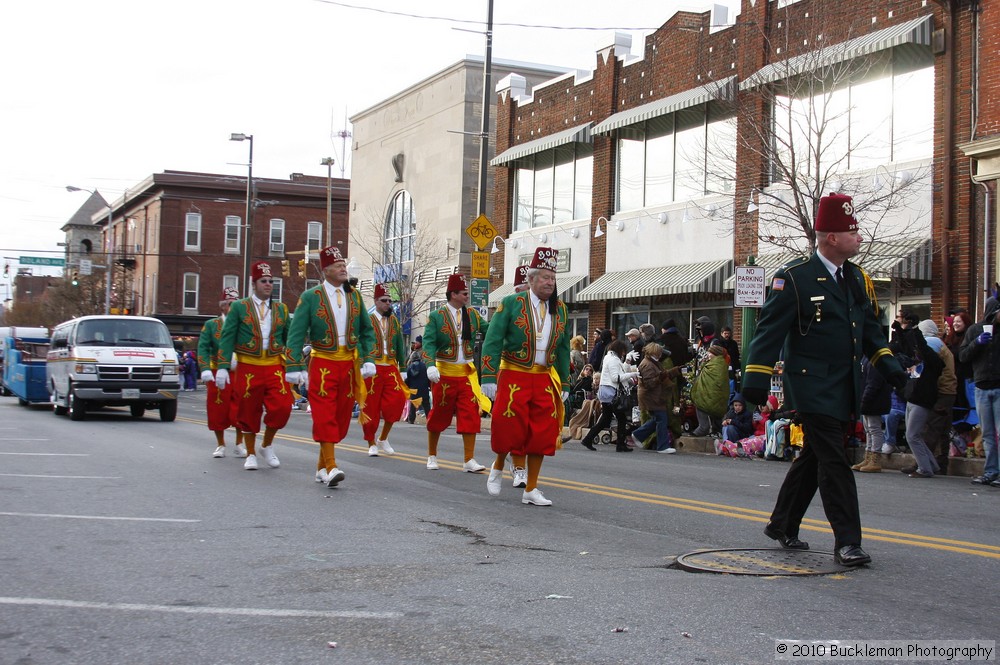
97, 361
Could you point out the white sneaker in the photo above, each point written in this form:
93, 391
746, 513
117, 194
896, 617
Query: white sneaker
535, 498
494, 482
520, 476
372, 451
268, 454
321, 476
888, 449
241, 450
251, 463
667, 451
219, 452
334, 477
472, 466
432, 463
383, 446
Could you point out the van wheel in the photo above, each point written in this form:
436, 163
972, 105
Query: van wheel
75, 406
57, 408
137, 409
168, 410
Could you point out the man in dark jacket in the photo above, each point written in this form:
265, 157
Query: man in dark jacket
416, 379
821, 313
678, 347
983, 351
601, 340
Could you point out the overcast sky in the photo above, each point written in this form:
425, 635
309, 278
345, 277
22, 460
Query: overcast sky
102, 93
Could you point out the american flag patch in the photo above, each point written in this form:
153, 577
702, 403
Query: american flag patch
778, 284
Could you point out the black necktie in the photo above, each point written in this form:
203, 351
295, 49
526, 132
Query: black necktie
841, 282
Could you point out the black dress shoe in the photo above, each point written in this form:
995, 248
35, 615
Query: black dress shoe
623, 449
787, 542
588, 445
851, 555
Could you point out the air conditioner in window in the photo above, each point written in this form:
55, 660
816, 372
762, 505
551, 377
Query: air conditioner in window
277, 248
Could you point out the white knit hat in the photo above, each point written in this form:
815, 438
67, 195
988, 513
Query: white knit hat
928, 328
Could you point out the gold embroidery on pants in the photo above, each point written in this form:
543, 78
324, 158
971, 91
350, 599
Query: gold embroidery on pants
322, 381
444, 393
510, 400
548, 389
246, 390
281, 381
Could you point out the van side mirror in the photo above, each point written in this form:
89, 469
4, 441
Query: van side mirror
60, 343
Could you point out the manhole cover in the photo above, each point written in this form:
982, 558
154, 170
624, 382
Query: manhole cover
766, 561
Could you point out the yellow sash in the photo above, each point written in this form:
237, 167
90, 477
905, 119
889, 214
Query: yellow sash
467, 370
556, 387
360, 389
258, 360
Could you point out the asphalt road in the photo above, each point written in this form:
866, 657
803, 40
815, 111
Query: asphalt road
124, 541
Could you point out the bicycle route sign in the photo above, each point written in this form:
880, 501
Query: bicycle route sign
481, 231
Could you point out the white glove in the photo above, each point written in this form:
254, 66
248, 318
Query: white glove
206, 376
403, 375
306, 350
632, 356
490, 390
433, 374
633, 375
233, 363
221, 378
368, 370
565, 395
297, 378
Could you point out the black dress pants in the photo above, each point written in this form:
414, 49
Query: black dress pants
822, 465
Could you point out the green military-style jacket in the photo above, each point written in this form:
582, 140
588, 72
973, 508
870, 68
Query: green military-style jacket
823, 333
241, 332
314, 324
511, 338
396, 346
441, 340
209, 344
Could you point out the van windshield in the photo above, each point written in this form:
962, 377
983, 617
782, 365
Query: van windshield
120, 332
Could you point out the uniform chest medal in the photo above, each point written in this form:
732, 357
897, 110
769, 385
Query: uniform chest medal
817, 301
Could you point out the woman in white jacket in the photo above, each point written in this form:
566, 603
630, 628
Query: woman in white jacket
614, 372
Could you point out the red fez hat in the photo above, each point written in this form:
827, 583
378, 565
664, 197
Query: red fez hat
836, 213
380, 291
456, 282
520, 275
230, 293
545, 258
259, 270
329, 256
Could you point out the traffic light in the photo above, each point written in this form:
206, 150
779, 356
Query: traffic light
285, 270
76, 278
302, 268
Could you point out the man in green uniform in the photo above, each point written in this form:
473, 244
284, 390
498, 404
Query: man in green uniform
823, 311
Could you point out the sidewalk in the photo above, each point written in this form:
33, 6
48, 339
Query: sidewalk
957, 466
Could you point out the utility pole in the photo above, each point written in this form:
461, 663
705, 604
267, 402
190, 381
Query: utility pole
484, 138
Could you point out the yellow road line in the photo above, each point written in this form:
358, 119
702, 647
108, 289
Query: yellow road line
722, 510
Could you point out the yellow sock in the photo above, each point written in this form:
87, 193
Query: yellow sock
534, 468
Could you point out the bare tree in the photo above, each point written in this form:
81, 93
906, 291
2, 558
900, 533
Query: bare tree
61, 302
416, 281
819, 123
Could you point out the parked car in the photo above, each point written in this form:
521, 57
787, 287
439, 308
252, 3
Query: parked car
97, 361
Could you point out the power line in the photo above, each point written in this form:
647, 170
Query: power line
449, 19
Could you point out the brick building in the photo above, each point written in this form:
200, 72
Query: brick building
673, 161
178, 238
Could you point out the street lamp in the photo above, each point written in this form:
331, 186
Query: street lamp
328, 163
109, 255
248, 243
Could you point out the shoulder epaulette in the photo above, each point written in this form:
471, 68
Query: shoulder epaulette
796, 263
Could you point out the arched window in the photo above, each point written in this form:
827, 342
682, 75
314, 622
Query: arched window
400, 228
86, 246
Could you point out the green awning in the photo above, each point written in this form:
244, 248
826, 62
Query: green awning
580, 134
917, 31
708, 277
724, 89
